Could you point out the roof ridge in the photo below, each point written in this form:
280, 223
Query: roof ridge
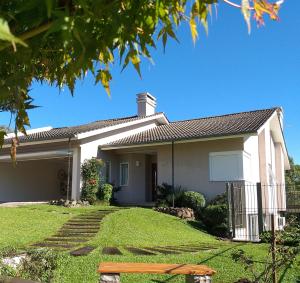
108, 120
225, 115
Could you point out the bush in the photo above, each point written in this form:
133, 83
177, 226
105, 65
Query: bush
38, 264
106, 193
91, 178
193, 200
165, 194
290, 236
214, 216
41, 264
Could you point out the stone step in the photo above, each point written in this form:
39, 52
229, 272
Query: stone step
84, 222
73, 235
162, 251
80, 228
88, 231
54, 245
65, 239
111, 251
138, 251
82, 251
89, 218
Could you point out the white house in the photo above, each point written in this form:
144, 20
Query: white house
147, 149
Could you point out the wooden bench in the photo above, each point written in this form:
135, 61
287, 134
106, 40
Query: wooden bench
110, 271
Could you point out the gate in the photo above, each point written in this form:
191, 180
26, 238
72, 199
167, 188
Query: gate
252, 206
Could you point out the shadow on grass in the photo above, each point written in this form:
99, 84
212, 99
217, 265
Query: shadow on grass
197, 225
222, 252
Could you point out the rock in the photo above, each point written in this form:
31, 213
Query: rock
181, 212
14, 261
69, 203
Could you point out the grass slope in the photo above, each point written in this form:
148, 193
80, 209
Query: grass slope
131, 227
21, 226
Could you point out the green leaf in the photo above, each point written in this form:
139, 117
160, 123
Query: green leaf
193, 27
6, 35
246, 13
49, 5
105, 77
135, 60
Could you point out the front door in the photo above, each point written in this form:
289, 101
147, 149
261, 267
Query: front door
153, 180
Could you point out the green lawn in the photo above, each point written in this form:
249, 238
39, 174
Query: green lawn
132, 227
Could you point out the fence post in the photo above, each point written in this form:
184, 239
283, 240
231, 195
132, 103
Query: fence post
232, 210
259, 208
229, 210
273, 249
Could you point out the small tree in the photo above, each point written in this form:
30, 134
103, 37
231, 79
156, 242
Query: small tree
90, 173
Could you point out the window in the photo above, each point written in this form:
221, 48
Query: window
226, 166
124, 170
107, 171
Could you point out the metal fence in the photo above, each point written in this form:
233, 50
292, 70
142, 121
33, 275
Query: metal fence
251, 208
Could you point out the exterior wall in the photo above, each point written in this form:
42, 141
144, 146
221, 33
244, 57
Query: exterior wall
136, 190
30, 180
262, 157
89, 147
280, 178
251, 162
191, 164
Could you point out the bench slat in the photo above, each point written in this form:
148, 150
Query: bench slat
154, 268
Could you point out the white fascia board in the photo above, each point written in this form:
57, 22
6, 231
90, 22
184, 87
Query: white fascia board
32, 131
39, 142
176, 142
280, 139
264, 124
38, 155
125, 134
161, 117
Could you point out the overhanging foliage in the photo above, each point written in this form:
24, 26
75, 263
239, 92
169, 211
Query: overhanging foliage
59, 41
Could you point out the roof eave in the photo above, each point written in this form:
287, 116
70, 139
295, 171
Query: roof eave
176, 140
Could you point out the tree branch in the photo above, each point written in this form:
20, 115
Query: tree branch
30, 34
235, 5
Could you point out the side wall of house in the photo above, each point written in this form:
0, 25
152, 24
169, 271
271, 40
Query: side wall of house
191, 164
135, 191
30, 180
271, 159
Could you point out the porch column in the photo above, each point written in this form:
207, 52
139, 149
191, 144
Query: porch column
75, 195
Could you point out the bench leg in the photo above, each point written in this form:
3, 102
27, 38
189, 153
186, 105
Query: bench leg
110, 278
198, 279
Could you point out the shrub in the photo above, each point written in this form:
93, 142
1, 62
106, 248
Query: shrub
193, 200
106, 193
214, 216
290, 236
41, 264
38, 264
91, 178
165, 194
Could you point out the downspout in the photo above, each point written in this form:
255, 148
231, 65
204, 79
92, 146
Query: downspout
69, 167
173, 185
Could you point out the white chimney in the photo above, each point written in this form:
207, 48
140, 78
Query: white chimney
146, 104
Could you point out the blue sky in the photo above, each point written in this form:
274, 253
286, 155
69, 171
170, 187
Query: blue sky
226, 71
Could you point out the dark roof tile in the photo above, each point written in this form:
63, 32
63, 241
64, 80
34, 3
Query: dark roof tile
68, 132
225, 125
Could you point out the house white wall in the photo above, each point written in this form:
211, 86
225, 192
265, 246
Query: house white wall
191, 164
34, 180
89, 147
251, 159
